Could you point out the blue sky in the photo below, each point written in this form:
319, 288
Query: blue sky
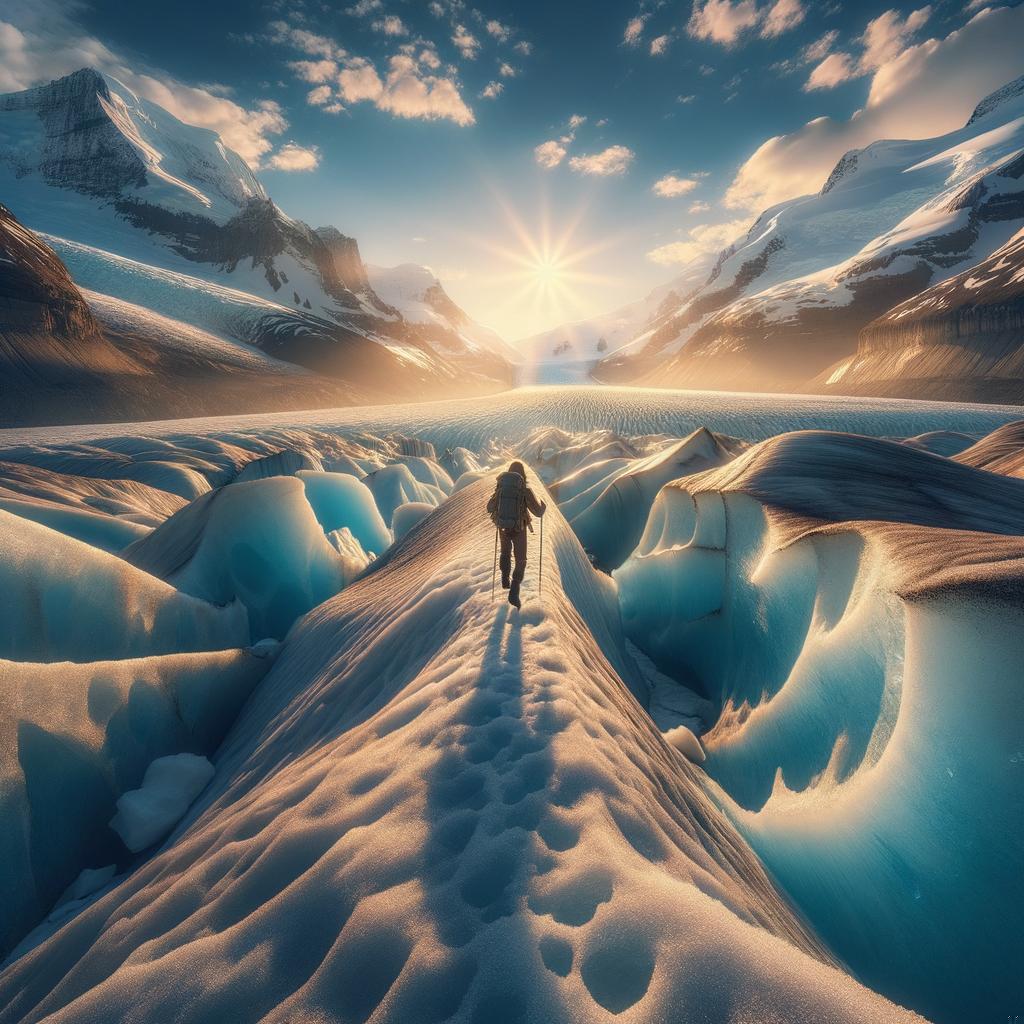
517, 149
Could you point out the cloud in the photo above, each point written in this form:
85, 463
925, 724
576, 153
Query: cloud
833, 70
465, 42
392, 25
703, 238
359, 81
725, 21
507, 71
364, 7
659, 45
411, 94
496, 30
576, 120
314, 71
634, 30
886, 36
699, 207
782, 16
523, 48
607, 163
549, 154
304, 40
722, 21
819, 48
670, 186
686, 99
927, 90
884, 39
292, 157
491, 90
319, 96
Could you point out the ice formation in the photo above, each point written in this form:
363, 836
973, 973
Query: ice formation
769, 763
435, 809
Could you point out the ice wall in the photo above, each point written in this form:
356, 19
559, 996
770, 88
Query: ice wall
867, 677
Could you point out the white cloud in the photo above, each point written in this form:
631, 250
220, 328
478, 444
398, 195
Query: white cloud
886, 36
364, 7
429, 57
496, 30
725, 21
359, 81
410, 93
304, 40
392, 25
686, 99
671, 186
523, 47
813, 52
927, 90
576, 120
659, 45
549, 154
491, 90
722, 21
832, 71
319, 96
465, 42
699, 207
607, 163
314, 71
702, 239
507, 71
782, 16
292, 157
634, 30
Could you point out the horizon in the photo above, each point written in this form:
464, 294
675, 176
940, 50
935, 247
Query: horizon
564, 165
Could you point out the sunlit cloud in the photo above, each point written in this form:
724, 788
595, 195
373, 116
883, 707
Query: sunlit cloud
726, 21
492, 90
465, 42
293, 157
634, 30
671, 186
610, 162
659, 45
549, 154
392, 25
702, 239
498, 31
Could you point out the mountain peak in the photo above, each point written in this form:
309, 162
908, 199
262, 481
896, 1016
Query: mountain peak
1008, 92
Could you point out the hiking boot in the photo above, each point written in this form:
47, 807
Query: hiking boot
513, 595
504, 581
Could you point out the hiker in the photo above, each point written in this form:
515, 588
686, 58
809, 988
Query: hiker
509, 508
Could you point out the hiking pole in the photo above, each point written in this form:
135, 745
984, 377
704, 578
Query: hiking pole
494, 568
540, 581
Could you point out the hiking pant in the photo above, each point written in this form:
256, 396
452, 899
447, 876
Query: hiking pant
513, 540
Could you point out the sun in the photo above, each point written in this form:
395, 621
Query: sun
543, 267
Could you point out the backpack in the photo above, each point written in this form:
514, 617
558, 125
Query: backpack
510, 502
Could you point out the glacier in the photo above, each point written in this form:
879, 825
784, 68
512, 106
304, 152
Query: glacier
751, 754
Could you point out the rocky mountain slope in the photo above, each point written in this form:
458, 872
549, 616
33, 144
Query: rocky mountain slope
112, 179
789, 299
961, 338
68, 355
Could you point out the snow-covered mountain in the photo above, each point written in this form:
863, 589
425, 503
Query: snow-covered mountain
70, 355
112, 179
627, 328
789, 299
433, 316
961, 338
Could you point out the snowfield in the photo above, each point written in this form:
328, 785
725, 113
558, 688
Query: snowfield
768, 769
